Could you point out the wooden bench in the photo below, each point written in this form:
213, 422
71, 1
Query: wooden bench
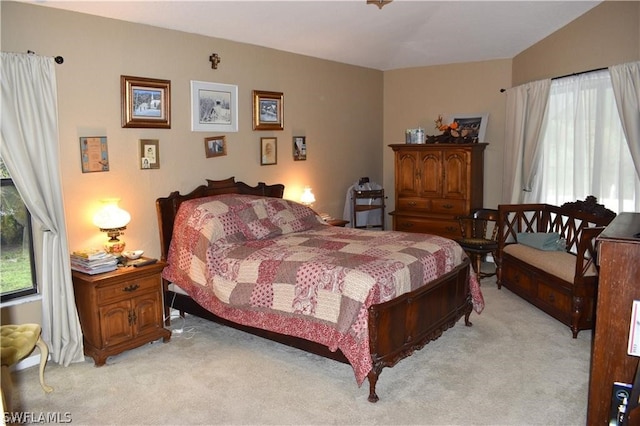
562, 280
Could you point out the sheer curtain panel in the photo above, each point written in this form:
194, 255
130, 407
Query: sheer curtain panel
584, 148
29, 147
526, 106
625, 79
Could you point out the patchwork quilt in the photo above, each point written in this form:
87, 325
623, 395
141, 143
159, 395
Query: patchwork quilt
274, 264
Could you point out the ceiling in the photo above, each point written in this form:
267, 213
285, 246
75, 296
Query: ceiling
403, 34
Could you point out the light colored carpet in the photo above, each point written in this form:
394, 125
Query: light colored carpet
514, 366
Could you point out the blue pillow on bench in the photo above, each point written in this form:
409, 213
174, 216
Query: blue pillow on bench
547, 241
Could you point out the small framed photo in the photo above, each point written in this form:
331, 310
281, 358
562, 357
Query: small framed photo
268, 151
299, 148
214, 107
149, 154
268, 110
94, 154
146, 102
215, 146
470, 125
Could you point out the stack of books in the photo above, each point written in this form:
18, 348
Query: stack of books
93, 261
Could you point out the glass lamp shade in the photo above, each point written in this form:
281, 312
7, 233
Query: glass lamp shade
307, 197
112, 220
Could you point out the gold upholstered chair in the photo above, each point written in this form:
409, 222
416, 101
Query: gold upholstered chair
16, 342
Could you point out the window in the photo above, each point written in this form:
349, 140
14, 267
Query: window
17, 266
584, 150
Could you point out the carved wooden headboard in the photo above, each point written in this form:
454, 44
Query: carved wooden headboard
167, 207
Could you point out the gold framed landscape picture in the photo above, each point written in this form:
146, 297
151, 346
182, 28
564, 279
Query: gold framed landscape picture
268, 110
146, 102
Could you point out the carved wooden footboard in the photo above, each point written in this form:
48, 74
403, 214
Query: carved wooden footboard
401, 326
397, 328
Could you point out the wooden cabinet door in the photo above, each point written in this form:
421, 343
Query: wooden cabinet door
407, 172
456, 174
148, 313
115, 323
430, 174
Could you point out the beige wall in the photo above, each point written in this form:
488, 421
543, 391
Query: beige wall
337, 107
608, 34
415, 96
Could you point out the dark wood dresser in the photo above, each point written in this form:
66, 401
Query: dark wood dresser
618, 287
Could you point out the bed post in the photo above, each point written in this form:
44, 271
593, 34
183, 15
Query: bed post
373, 380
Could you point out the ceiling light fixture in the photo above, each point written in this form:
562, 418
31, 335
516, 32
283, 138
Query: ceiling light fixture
379, 3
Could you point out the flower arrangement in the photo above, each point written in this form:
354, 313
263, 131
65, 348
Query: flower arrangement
447, 128
451, 133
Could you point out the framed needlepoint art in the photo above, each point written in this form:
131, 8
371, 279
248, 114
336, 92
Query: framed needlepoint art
94, 154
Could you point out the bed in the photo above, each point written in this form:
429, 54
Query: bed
245, 257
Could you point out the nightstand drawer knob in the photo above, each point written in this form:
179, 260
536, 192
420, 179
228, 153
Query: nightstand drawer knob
132, 287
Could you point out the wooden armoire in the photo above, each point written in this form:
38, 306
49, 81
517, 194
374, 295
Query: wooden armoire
435, 183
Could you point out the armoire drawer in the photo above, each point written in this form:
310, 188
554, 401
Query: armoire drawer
442, 227
413, 204
448, 206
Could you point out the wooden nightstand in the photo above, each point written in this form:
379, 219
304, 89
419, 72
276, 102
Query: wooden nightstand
120, 310
337, 222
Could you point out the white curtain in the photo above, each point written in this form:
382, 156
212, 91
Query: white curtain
526, 105
625, 79
584, 148
29, 148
